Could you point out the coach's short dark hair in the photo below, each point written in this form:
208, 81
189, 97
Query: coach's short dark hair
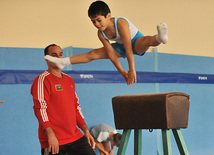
46, 48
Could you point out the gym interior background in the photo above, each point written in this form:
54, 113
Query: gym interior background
27, 27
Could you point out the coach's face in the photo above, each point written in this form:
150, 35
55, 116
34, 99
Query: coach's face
54, 51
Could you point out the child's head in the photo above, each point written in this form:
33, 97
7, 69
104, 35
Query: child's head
116, 139
98, 8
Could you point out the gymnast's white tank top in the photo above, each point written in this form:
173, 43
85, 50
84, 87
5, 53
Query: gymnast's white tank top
118, 39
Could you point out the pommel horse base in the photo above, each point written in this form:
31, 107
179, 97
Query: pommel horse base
163, 111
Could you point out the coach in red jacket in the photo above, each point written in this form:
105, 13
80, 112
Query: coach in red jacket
57, 110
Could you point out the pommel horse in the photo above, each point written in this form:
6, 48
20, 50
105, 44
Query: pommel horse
163, 111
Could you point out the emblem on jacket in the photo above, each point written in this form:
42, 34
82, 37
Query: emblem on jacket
58, 87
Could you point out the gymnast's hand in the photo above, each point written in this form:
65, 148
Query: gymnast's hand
132, 77
125, 75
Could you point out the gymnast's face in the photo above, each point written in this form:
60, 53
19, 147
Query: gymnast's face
101, 22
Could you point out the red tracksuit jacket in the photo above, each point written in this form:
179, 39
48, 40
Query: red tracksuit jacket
56, 106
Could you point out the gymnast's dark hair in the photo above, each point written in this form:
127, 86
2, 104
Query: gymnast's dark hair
98, 8
46, 48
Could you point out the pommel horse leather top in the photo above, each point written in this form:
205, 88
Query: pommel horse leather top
151, 111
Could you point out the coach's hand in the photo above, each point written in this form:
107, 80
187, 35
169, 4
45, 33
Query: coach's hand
90, 139
52, 141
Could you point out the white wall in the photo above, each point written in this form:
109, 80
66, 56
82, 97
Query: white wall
28, 23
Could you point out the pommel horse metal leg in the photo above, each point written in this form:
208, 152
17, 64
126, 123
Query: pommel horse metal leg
137, 142
180, 142
167, 149
163, 111
124, 142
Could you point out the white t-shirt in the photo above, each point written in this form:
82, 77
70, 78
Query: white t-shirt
101, 132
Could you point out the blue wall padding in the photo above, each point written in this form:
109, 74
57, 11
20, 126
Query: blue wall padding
185, 64
28, 76
19, 126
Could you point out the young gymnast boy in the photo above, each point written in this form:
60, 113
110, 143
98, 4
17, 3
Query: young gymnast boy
128, 41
